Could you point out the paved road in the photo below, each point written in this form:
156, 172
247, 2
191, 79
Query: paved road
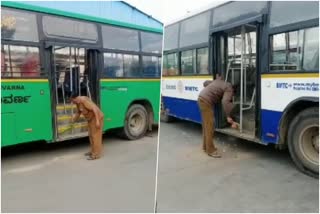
249, 178
58, 178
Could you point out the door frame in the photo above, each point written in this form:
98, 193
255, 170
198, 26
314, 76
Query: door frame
49, 65
261, 57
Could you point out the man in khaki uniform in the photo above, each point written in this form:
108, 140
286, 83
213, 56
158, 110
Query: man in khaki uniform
94, 116
214, 92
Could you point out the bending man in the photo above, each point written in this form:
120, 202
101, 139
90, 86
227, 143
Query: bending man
94, 116
214, 92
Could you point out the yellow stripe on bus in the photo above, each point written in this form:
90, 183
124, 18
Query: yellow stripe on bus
67, 127
188, 77
24, 80
130, 80
64, 117
61, 107
289, 75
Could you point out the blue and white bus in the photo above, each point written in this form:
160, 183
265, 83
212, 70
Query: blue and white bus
270, 51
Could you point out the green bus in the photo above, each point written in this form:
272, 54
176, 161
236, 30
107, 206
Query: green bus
47, 54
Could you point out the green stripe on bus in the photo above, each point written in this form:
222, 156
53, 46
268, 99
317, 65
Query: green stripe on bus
23, 6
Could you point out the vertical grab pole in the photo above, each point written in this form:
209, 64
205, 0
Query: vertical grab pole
241, 74
71, 79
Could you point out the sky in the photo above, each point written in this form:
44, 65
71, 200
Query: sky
167, 11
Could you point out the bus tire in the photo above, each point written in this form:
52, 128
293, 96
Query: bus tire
303, 141
136, 122
165, 117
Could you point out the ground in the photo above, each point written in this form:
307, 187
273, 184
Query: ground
248, 178
57, 178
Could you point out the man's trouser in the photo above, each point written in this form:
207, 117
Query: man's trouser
95, 137
207, 125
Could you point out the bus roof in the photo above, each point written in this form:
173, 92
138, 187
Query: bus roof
116, 13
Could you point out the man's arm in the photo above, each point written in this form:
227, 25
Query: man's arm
88, 104
228, 106
227, 103
206, 83
76, 116
98, 115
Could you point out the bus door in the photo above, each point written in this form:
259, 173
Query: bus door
235, 58
74, 70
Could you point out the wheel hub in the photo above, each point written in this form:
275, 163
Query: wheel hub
136, 122
309, 143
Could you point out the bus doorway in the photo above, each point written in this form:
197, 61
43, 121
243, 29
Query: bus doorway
235, 57
74, 71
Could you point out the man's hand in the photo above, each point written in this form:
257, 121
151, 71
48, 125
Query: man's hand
235, 125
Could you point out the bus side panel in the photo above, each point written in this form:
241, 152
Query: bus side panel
277, 91
26, 111
180, 96
117, 95
182, 108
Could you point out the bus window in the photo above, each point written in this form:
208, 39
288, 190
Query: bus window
295, 50
172, 64
120, 38
20, 61
56, 27
16, 25
195, 30
171, 37
113, 65
188, 65
283, 13
151, 66
131, 65
202, 61
151, 42
311, 50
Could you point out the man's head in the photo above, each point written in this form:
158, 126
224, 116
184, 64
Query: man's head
73, 98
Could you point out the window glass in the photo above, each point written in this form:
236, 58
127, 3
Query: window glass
202, 61
20, 61
165, 65
195, 30
188, 64
131, 65
311, 50
171, 37
288, 12
151, 66
120, 38
151, 42
159, 65
236, 11
113, 65
64, 28
296, 50
16, 25
171, 64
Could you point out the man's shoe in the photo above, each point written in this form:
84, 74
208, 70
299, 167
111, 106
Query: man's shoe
215, 154
87, 154
92, 157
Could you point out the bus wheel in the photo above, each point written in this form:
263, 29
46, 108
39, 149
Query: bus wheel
165, 117
136, 123
303, 141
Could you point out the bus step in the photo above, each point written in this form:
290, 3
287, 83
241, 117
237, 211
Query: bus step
65, 109
69, 129
66, 119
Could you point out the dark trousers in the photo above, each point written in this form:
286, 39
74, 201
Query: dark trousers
207, 126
